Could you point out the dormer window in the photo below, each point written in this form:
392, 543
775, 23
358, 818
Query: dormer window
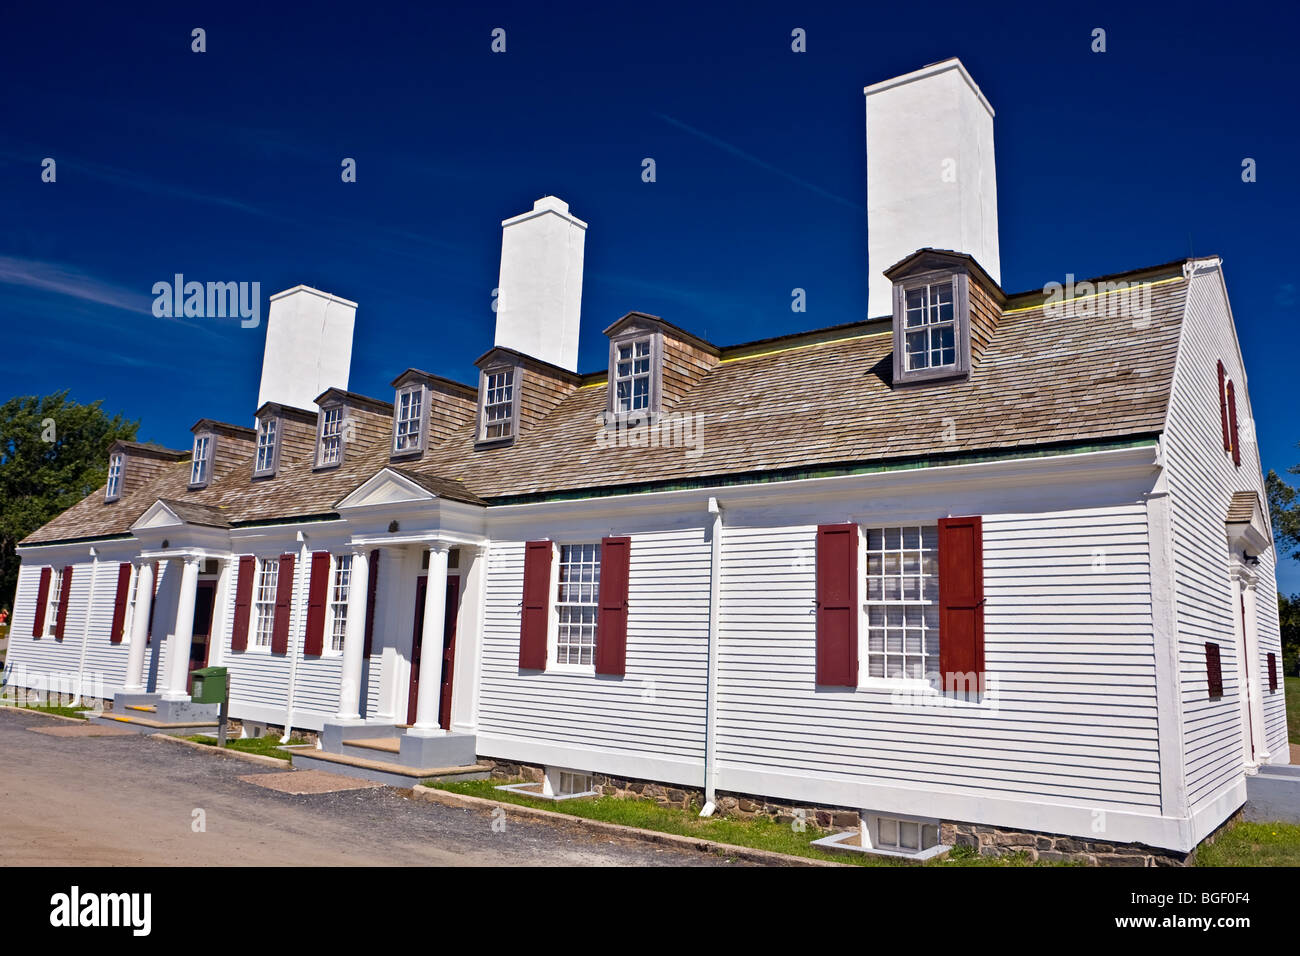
201, 463
931, 326
329, 448
268, 445
632, 375
498, 417
636, 360
408, 420
113, 491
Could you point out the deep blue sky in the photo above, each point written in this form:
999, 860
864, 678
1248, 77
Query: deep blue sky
225, 166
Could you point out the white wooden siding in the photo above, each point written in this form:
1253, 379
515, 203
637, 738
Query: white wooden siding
1068, 643
1202, 479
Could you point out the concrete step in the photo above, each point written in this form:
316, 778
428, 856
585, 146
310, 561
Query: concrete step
384, 771
144, 725
1273, 794
146, 708
391, 745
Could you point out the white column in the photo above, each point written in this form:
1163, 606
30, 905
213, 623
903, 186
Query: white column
1238, 578
178, 654
435, 609
1257, 673
354, 641
134, 683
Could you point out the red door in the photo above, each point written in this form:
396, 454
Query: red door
204, 599
413, 695
448, 652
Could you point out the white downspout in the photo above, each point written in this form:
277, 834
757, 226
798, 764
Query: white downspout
711, 685
85, 631
295, 642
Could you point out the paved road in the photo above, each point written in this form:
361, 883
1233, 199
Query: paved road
129, 800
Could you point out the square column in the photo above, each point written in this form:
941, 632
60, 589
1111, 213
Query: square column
134, 682
354, 640
178, 654
431, 637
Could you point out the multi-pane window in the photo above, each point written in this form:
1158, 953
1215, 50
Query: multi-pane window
331, 435
52, 608
499, 404
268, 430
268, 578
632, 376
202, 460
907, 836
576, 601
340, 586
903, 602
930, 326
410, 409
114, 488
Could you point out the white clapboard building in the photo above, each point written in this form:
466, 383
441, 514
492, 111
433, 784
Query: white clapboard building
985, 559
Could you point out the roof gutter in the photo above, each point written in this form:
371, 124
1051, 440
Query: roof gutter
85, 631
296, 630
711, 685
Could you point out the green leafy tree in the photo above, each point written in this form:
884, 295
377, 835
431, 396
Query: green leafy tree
1284, 504
1288, 611
53, 452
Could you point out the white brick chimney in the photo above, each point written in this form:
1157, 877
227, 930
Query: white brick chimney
930, 173
308, 346
539, 298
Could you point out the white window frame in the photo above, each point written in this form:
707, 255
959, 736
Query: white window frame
413, 437
333, 420
337, 615
268, 446
959, 283
52, 602
883, 824
553, 662
634, 374
255, 644
201, 467
511, 421
116, 468
869, 603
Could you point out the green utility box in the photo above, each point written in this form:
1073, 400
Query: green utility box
209, 685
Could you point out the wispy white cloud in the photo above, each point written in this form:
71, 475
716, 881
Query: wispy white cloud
66, 281
760, 163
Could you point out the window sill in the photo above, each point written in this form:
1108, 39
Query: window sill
913, 685
494, 442
405, 454
584, 669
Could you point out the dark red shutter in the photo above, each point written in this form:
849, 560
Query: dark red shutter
243, 603
1223, 408
961, 603
119, 602
373, 588
283, 606
1213, 670
611, 618
42, 602
534, 621
1232, 425
65, 592
317, 595
153, 600
1272, 673
837, 605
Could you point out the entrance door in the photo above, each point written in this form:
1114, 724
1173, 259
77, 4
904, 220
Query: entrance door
448, 652
413, 695
204, 599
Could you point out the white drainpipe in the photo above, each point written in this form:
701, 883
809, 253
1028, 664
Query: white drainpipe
85, 631
711, 687
295, 644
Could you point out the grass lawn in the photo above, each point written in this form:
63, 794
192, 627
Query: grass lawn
74, 712
757, 833
1253, 844
1293, 709
267, 746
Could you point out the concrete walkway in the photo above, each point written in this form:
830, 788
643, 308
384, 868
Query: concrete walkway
130, 800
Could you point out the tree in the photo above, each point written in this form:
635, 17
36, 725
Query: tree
53, 452
1288, 612
1284, 505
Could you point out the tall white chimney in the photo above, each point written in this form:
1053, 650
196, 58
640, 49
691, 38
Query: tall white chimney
308, 346
539, 297
930, 173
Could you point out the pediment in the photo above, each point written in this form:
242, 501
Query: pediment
157, 515
385, 488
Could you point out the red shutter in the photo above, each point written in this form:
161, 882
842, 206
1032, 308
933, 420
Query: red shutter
283, 606
119, 602
153, 600
1223, 408
611, 618
1232, 426
65, 592
373, 587
243, 603
961, 603
42, 602
317, 594
1213, 670
534, 621
1272, 673
837, 605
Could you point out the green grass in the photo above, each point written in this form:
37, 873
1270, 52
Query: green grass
267, 746
74, 712
757, 833
1253, 844
1293, 709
